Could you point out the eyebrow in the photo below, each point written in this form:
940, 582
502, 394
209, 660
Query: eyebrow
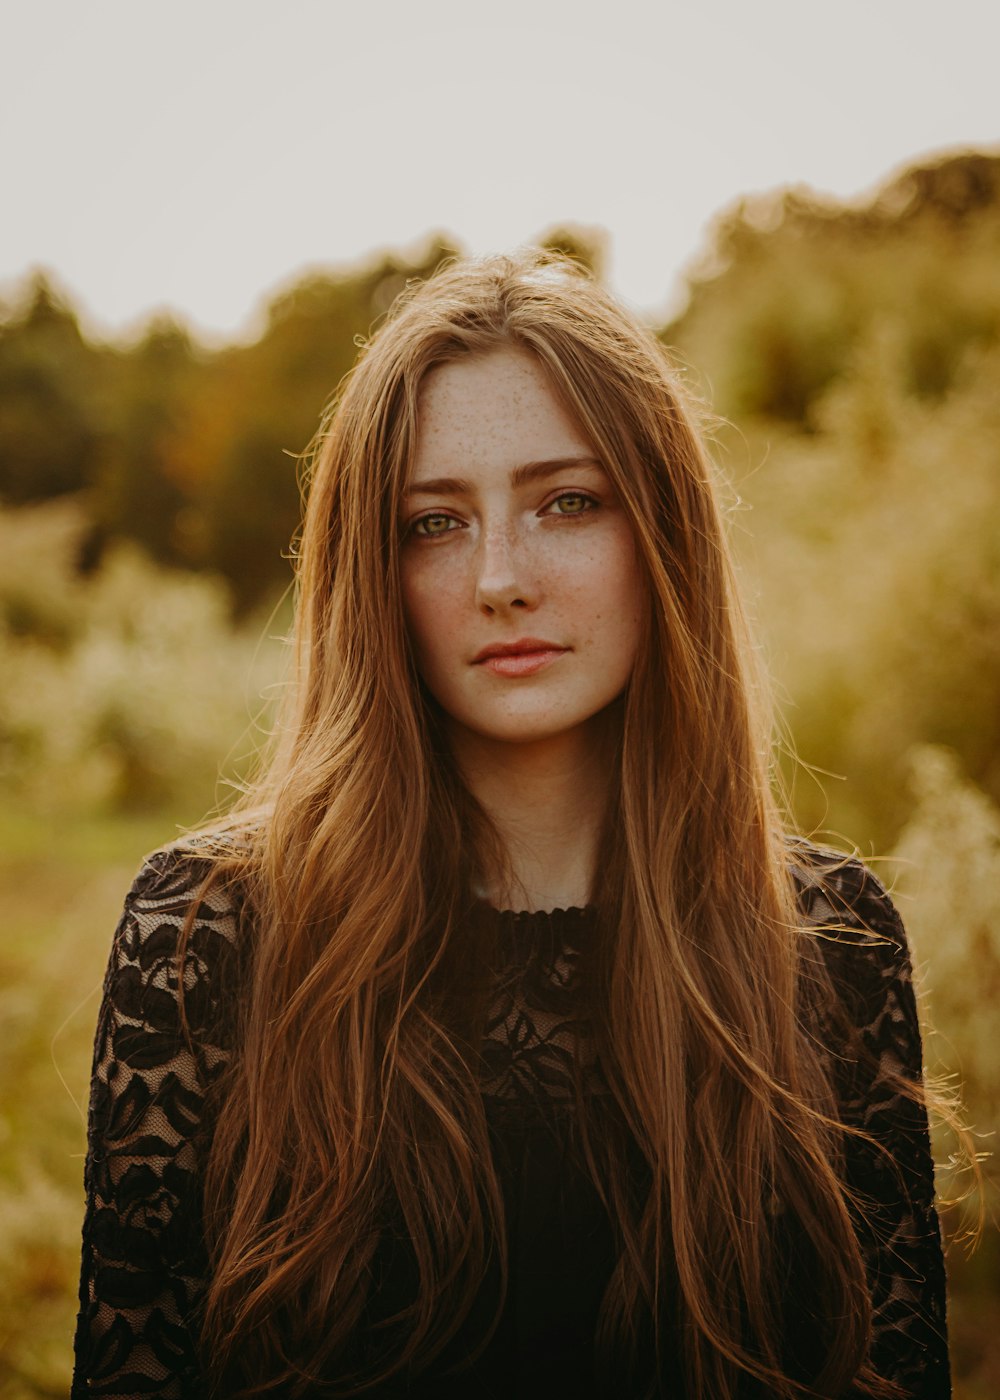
521, 476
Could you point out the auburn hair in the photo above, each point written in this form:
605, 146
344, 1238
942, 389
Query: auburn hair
353, 1096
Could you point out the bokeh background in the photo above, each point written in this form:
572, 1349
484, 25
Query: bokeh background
206, 206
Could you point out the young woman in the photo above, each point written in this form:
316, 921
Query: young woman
504, 1043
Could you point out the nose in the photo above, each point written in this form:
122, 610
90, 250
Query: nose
504, 578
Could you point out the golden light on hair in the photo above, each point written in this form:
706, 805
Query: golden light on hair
356, 1087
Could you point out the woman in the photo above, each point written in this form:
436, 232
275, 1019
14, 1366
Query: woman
503, 1043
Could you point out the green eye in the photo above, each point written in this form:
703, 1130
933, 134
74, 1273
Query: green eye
572, 503
432, 525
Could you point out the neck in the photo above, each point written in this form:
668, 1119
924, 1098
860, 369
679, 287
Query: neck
547, 801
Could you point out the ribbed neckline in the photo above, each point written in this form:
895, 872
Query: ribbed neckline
572, 913
571, 910
544, 933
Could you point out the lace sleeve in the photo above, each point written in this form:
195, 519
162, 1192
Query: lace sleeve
144, 1265
891, 1172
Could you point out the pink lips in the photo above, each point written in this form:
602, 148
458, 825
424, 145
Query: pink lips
520, 658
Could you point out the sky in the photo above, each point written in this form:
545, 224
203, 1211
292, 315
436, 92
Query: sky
200, 155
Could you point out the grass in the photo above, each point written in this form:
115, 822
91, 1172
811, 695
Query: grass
62, 883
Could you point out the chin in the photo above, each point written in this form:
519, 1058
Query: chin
526, 730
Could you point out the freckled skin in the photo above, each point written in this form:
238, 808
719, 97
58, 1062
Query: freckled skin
498, 560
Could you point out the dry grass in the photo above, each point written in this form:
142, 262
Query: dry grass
62, 888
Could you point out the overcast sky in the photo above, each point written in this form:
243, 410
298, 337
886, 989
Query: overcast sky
199, 154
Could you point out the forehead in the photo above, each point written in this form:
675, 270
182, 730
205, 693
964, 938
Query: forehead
496, 409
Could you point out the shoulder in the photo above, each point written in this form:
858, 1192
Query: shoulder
841, 891
181, 944
176, 876
866, 1016
846, 904
854, 937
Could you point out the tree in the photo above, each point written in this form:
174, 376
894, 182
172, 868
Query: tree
49, 400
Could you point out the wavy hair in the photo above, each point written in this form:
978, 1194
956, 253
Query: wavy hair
352, 1105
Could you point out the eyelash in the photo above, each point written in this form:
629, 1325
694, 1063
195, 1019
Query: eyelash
589, 504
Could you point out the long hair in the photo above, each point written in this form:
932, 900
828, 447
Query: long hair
352, 1104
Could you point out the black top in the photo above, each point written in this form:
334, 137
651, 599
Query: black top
144, 1263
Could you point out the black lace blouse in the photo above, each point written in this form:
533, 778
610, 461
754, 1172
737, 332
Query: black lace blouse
144, 1266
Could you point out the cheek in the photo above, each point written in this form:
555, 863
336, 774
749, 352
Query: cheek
430, 614
625, 589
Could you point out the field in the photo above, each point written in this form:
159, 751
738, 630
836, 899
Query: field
62, 885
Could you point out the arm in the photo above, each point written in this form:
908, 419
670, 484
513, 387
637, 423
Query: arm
144, 1265
891, 1173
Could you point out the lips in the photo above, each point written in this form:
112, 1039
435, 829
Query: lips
521, 658
524, 646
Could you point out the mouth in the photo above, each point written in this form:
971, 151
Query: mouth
521, 658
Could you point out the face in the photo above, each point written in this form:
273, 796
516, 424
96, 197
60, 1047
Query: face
523, 593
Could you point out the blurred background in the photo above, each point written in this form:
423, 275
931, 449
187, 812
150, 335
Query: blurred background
206, 207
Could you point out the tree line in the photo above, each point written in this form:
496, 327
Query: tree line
194, 453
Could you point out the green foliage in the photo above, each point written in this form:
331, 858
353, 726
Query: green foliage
874, 550
273, 394
948, 889
192, 455
587, 246
790, 284
62, 882
140, 486
49, 426
124, 689
949, 886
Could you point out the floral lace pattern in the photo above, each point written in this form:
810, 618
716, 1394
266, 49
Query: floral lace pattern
144, 1264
